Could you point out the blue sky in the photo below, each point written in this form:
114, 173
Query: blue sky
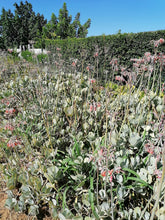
107, 16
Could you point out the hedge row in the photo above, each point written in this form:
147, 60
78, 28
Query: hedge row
123, 46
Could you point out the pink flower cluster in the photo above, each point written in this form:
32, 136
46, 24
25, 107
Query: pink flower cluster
158, 173
161, 59
147, 62
10, 111
5, 101
114, 63
58, 49
100, 160
13, 143
10, 50
96, 54
92, 81
94, 107
119, 78
74, 63
158, 42
9, 127
88, 68
149, 149
148, 58
8, 101
109, 173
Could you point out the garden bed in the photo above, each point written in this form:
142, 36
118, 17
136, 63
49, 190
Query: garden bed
76, 148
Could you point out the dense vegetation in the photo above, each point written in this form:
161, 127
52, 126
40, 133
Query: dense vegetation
82, 133
119, 46
73, 147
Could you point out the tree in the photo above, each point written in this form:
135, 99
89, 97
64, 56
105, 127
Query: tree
24, 25
62, 27
64, 20
27, 22
82, 30
53, 22
50, 29
75, 26
8, 33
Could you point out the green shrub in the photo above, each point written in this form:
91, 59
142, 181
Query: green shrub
42, 58
27, 55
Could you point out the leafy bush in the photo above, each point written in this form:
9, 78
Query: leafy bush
27, 55
42, 58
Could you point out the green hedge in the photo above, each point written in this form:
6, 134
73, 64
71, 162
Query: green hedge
123, 46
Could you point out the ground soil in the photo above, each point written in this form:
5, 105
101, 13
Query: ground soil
6, 214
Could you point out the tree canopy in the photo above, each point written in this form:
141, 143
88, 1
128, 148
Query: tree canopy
62, 26
24, 24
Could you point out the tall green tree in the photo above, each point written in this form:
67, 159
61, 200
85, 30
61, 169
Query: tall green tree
50, 29
78, 30
63, 27
26, 22
24, 25
8, 31
64, 20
